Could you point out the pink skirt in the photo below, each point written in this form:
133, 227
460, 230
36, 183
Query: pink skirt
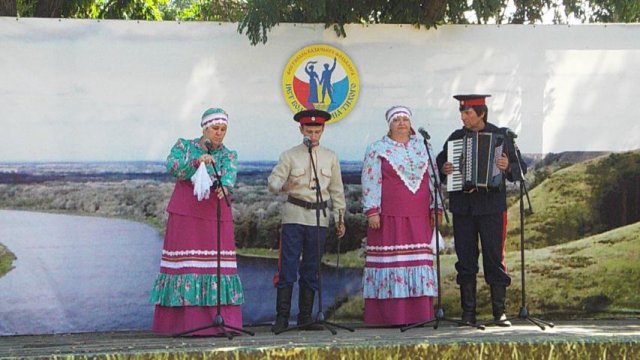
175, 320
189, 249
399, 281
398, 311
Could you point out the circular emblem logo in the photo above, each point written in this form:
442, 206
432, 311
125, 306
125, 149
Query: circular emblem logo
321, 77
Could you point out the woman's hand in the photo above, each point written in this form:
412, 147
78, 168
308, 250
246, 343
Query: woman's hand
374, 221
436, 216
207, 159
219, 192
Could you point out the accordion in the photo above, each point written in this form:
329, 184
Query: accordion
474, 162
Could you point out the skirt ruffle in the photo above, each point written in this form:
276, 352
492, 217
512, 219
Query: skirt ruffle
399, 282
196, 290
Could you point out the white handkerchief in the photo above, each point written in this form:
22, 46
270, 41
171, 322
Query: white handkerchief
201, 182
433, 241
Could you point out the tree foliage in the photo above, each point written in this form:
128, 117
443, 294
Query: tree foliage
257, 17
262, 15
183, 10
204, 10
616, 190
8, 8
93, 9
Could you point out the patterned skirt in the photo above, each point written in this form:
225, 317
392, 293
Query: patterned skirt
399, 281
186, 289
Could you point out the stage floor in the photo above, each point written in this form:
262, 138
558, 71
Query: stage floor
596, 339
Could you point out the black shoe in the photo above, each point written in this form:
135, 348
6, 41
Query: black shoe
283, 308
305, 305
468, 318
498, 297
501, 321
281, 324
468, 302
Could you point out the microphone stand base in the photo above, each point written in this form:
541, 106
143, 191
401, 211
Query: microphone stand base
320, 320
524, 315
436, 322
218, 323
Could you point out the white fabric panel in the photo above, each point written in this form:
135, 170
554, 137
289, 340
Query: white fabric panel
84, 90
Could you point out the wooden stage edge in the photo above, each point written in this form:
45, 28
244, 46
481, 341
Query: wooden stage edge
588, 339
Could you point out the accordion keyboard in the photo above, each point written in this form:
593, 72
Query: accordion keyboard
455, 180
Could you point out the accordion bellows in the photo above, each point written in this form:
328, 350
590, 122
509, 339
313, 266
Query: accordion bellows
474, 162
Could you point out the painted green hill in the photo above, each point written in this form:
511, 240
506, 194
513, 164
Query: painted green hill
6, 260
597, 276
560, 210
568, 204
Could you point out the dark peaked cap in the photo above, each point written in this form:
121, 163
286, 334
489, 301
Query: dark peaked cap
312, 117
471, 99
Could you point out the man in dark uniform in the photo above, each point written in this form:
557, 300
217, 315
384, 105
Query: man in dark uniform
480, 212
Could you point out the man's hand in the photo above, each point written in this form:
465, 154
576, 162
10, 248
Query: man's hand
502, 162
288, 185
447, 168
340, 230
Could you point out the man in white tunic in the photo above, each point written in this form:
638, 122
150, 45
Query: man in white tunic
294, 175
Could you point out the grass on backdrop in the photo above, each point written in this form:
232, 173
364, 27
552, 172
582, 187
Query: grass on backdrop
588, 278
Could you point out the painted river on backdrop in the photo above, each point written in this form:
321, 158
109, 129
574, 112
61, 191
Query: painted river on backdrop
83, 274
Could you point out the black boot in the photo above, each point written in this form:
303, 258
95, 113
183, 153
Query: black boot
468, 302
498, 295
283, 309
305, 305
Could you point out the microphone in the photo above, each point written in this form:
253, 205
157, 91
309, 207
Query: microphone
209, 145
307, 142
508, 133
424, 133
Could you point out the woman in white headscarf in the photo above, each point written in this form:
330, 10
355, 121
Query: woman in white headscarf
185, 291
399, 281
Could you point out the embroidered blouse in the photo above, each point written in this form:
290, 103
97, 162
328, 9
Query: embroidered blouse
409, 161
182, 161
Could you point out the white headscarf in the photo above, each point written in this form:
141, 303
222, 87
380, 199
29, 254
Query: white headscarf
397, 110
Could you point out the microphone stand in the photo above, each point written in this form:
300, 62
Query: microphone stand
219, 320
338, 274
320, 317
440, 316
524, 312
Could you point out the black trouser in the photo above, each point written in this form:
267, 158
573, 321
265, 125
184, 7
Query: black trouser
491, 229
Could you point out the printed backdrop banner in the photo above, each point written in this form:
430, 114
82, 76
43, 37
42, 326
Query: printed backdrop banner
85, 90
84, 103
